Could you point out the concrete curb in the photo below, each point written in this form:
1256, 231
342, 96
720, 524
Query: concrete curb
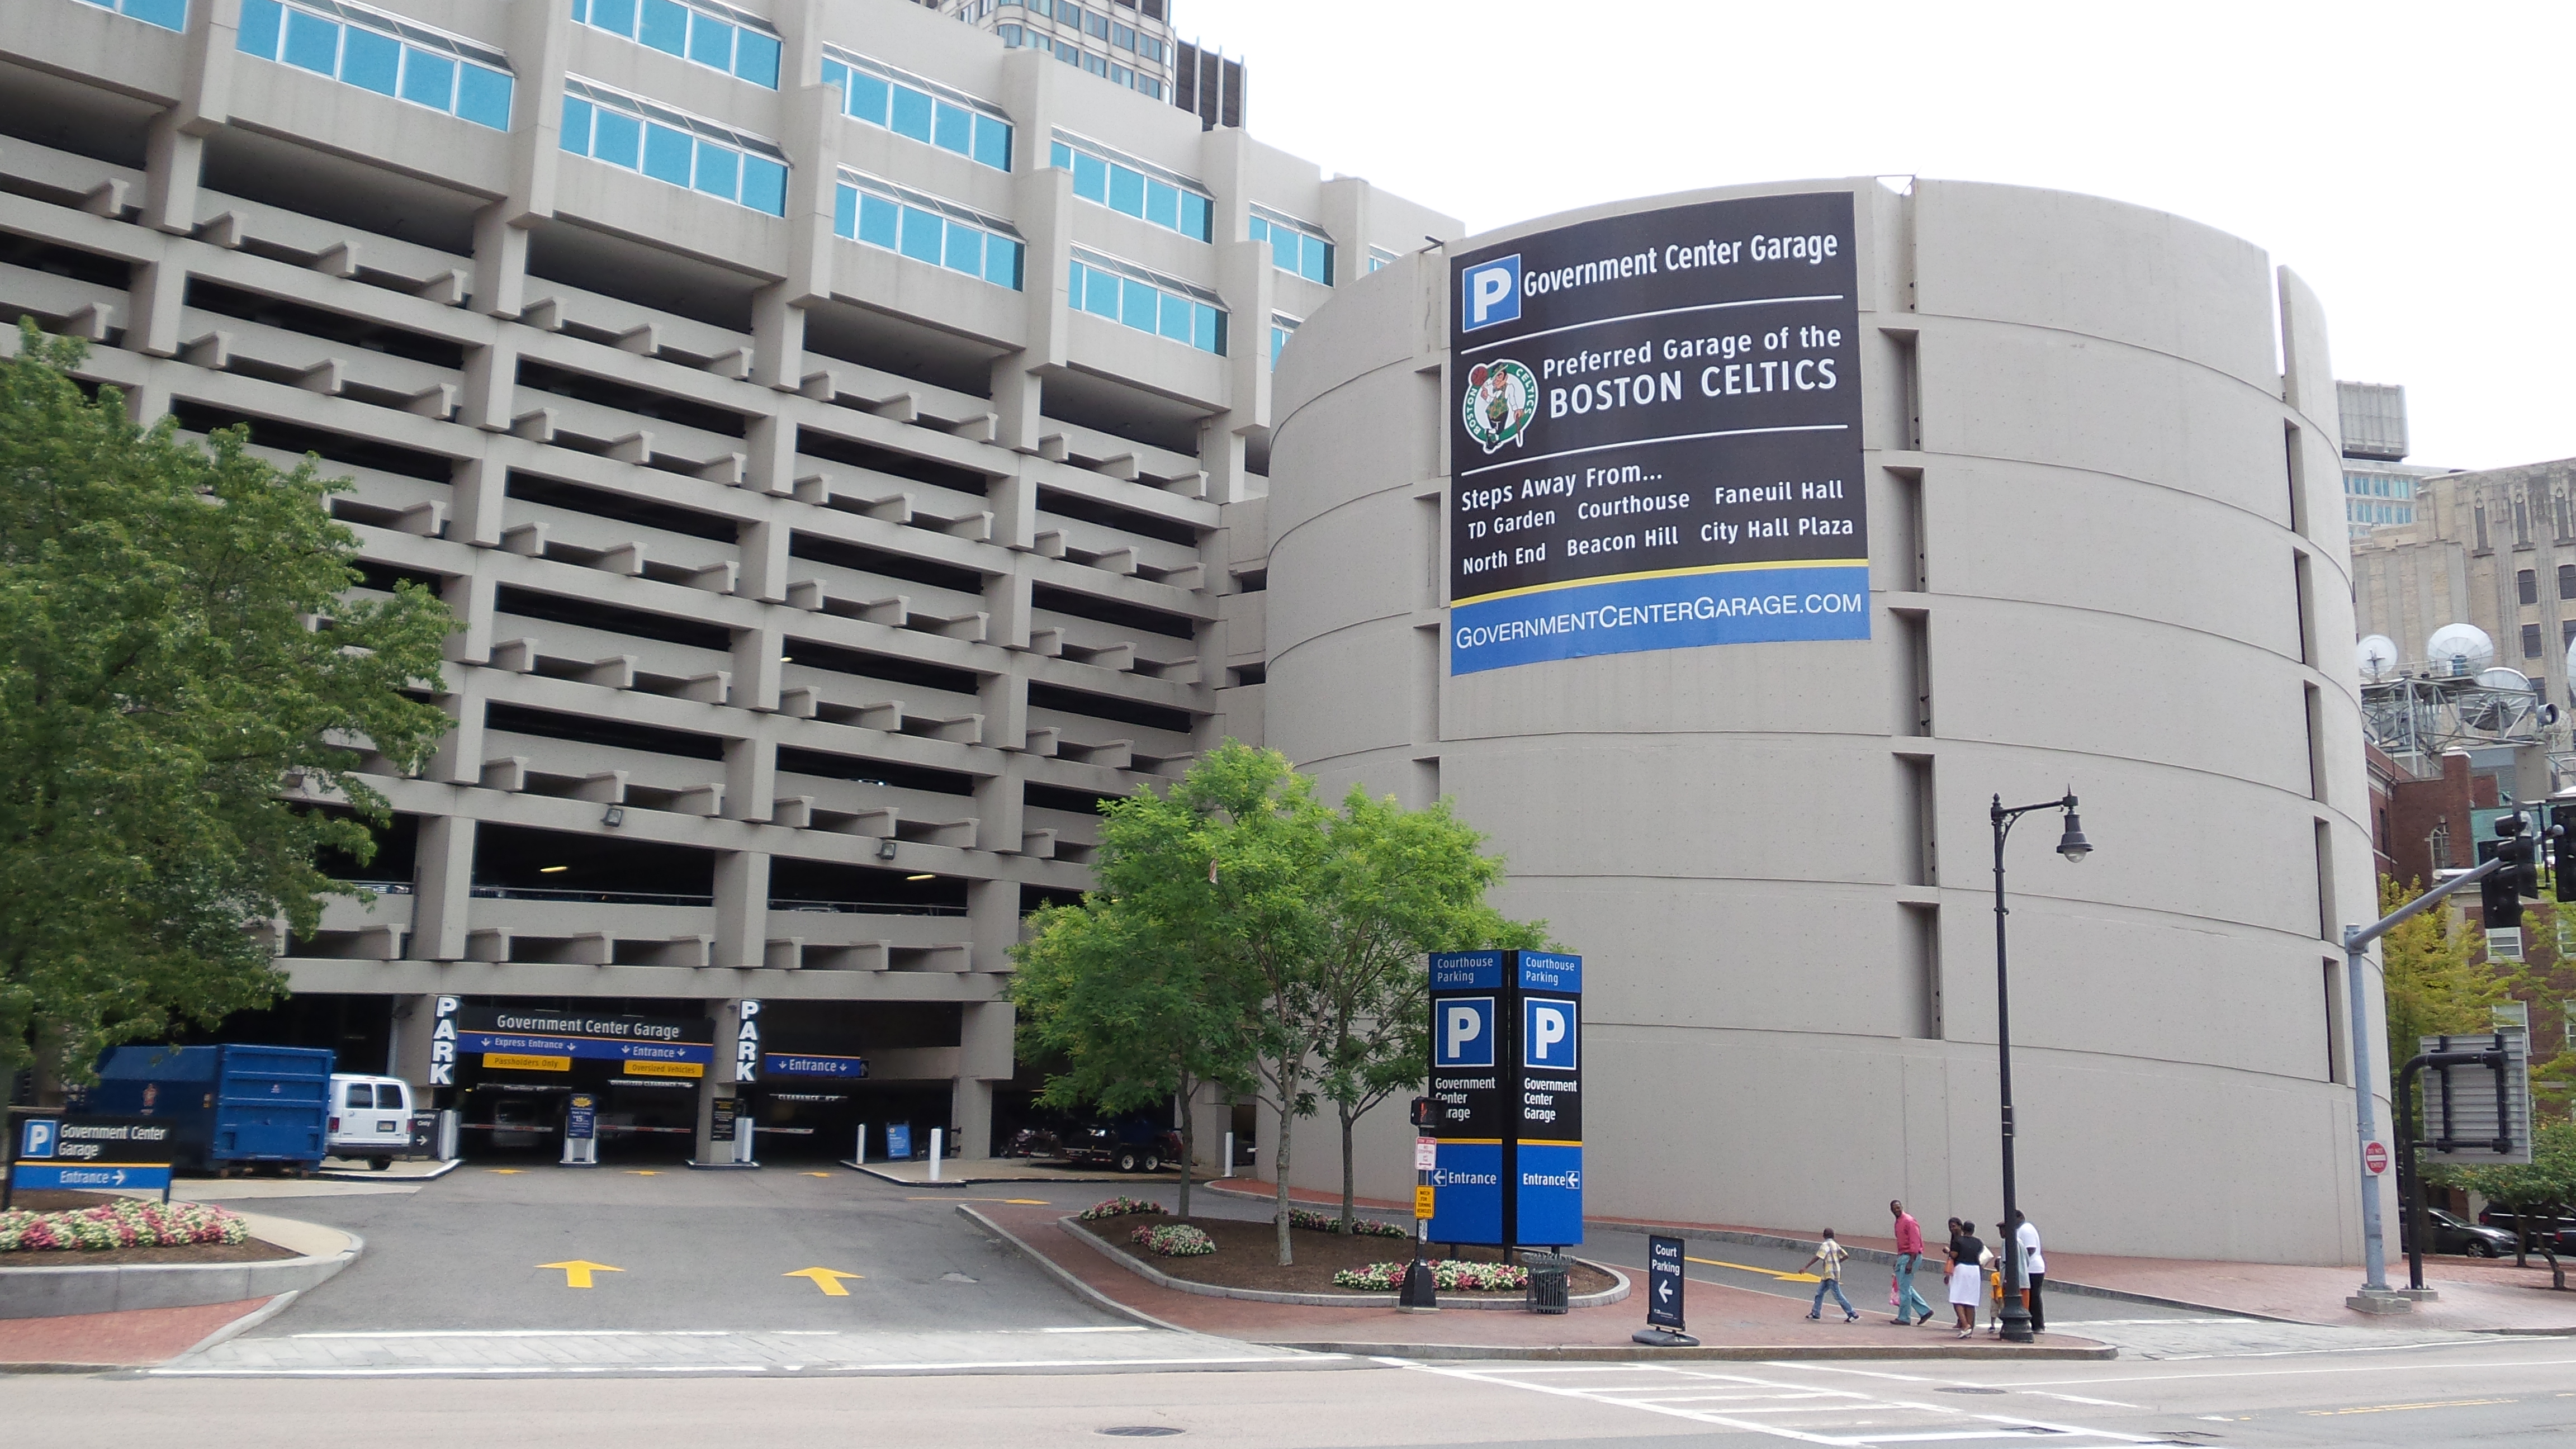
1160, 1279
243, 1324
350, 1174
50, 1292
1734, 1353
1066, 1276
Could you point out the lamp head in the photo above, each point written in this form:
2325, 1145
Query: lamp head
2072, 843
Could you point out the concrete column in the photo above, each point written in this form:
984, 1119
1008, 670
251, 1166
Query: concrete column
174, 148
993, 924
756, 668
477, 494
1004, 701
1346, 217
414, 1018
983, 1058
717, 1083
442, 892
742, 911
751, 777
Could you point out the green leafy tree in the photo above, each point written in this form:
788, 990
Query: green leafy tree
1137, 1014
2434, 974
2543, 1188
187, 681
1394, 884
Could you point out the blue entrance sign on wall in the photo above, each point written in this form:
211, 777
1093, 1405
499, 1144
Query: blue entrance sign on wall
1467, 1193
94, 1175
802, 1064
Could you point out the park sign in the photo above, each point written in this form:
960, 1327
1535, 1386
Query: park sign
1655, 434
1507, 1097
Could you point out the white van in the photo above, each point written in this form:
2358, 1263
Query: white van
370, 1118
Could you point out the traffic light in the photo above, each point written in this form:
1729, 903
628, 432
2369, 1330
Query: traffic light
2562, 851
1422, 1108
2500, 895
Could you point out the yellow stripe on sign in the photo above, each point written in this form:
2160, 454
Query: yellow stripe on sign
1737, 568
520, 1062
665, 1069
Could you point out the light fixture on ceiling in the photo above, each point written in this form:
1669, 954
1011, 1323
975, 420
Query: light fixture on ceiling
885, 848
613, 816
552, 869
921, 877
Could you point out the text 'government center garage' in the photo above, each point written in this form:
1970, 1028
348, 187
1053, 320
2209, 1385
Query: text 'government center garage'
850, 441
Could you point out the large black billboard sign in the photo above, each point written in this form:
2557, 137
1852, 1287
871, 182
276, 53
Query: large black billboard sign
1655, 435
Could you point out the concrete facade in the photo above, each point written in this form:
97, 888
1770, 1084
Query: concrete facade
2106, 554
811, 589
2495, 548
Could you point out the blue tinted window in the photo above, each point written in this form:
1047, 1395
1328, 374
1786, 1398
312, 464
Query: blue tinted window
911, 113
260, 22
952, 129
616, 137
837, 74
372, 60
868, 97
993, 143
429, 79
1194, 215
1208, 331
922, 234
764, 183
755, 58
1126, 191
483, 96
576, 125
617, 15
1090, 177
880, 221
666, 26
312, 42
1141, 305
581, 12
719, 170
1059, 156
1163, 204
965, 251
710, 40
845, 210
1317, 263
1176, 317
667, 153
168, 14
1002, 262
1100, 295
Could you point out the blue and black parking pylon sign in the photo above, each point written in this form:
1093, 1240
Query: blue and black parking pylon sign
1507, 1097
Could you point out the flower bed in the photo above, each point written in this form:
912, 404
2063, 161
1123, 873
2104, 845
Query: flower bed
1173, 1240
122, 1224
1315, 1222
1116, 1207
1449, 1274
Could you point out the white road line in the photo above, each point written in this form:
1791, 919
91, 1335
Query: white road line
2296, 1373
523, 1370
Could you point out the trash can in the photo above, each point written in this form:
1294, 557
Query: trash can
1547, 1281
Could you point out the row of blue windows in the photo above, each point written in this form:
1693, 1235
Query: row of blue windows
1293, 250
916, 226
908, 110
1092, 23
715, 41
1132, 301
2378, 485
168, 14
420, 67
669, 147
1092, 61
2375, 513
1124, 188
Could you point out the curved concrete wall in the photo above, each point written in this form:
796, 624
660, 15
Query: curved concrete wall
2103, 523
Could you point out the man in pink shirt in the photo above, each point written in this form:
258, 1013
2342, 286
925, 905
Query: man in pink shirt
1909, 1256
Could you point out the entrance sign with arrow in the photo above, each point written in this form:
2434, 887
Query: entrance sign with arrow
1664, 1286
827, 1279
577, 1272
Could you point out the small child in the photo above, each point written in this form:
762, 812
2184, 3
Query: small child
1828, 1263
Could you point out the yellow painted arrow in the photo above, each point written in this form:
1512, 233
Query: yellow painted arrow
827, 1279
818, 1174
577, 1272
506, 1171
1765, 1272
631, 1172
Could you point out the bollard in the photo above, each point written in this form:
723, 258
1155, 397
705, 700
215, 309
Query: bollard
1228, 1164
937, 1136
859, 1150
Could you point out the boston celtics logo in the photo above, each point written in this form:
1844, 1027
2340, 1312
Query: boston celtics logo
1501, 399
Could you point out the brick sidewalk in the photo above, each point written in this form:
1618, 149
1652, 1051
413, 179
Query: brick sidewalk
1733, 1320
133, 1338
2476, 1295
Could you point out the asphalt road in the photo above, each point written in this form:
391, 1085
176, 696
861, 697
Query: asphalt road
2507, 1393
692, 1251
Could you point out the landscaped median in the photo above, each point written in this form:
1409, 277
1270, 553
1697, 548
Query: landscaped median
1233, 1258
74, 1252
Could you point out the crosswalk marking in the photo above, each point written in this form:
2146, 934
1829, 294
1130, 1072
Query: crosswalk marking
1779, 1408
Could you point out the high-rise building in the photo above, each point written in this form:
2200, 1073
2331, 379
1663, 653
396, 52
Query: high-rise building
2379, 486
1125, 42
821, 417
2495, 548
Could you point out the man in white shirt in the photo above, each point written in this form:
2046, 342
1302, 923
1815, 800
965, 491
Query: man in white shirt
2034, 1267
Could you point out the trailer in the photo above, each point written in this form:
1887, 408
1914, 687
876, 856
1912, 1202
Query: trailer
234, 1106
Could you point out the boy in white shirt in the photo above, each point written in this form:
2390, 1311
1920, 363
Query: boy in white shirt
1828, 1263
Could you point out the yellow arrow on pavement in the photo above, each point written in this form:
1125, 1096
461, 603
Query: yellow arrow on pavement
827, 1279
506, 1171
1765, 1272
631, 1172
577, 1272
818, 1174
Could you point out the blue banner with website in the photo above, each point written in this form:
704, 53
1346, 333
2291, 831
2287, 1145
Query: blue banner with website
1661, 611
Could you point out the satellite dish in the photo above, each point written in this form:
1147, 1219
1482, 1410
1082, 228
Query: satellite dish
2459, 649
2503, 678
2377, 657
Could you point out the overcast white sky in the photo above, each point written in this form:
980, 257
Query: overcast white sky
2410, 161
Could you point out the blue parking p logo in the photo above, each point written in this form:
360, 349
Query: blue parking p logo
1550, 1037
38, 1139
1462, 1031
1490, 292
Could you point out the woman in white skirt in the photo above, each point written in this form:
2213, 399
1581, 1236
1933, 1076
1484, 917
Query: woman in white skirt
1967, 1279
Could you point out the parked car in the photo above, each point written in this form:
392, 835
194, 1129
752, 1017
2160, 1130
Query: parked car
2452, 1234
519, 1122
370, 1118
2537, 1228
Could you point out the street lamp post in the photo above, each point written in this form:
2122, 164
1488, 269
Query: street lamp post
2071, 844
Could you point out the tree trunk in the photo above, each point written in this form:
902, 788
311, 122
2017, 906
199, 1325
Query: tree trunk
1279, 1165
1349, 1119
2521, 1242
48, 1065
1189, 1145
